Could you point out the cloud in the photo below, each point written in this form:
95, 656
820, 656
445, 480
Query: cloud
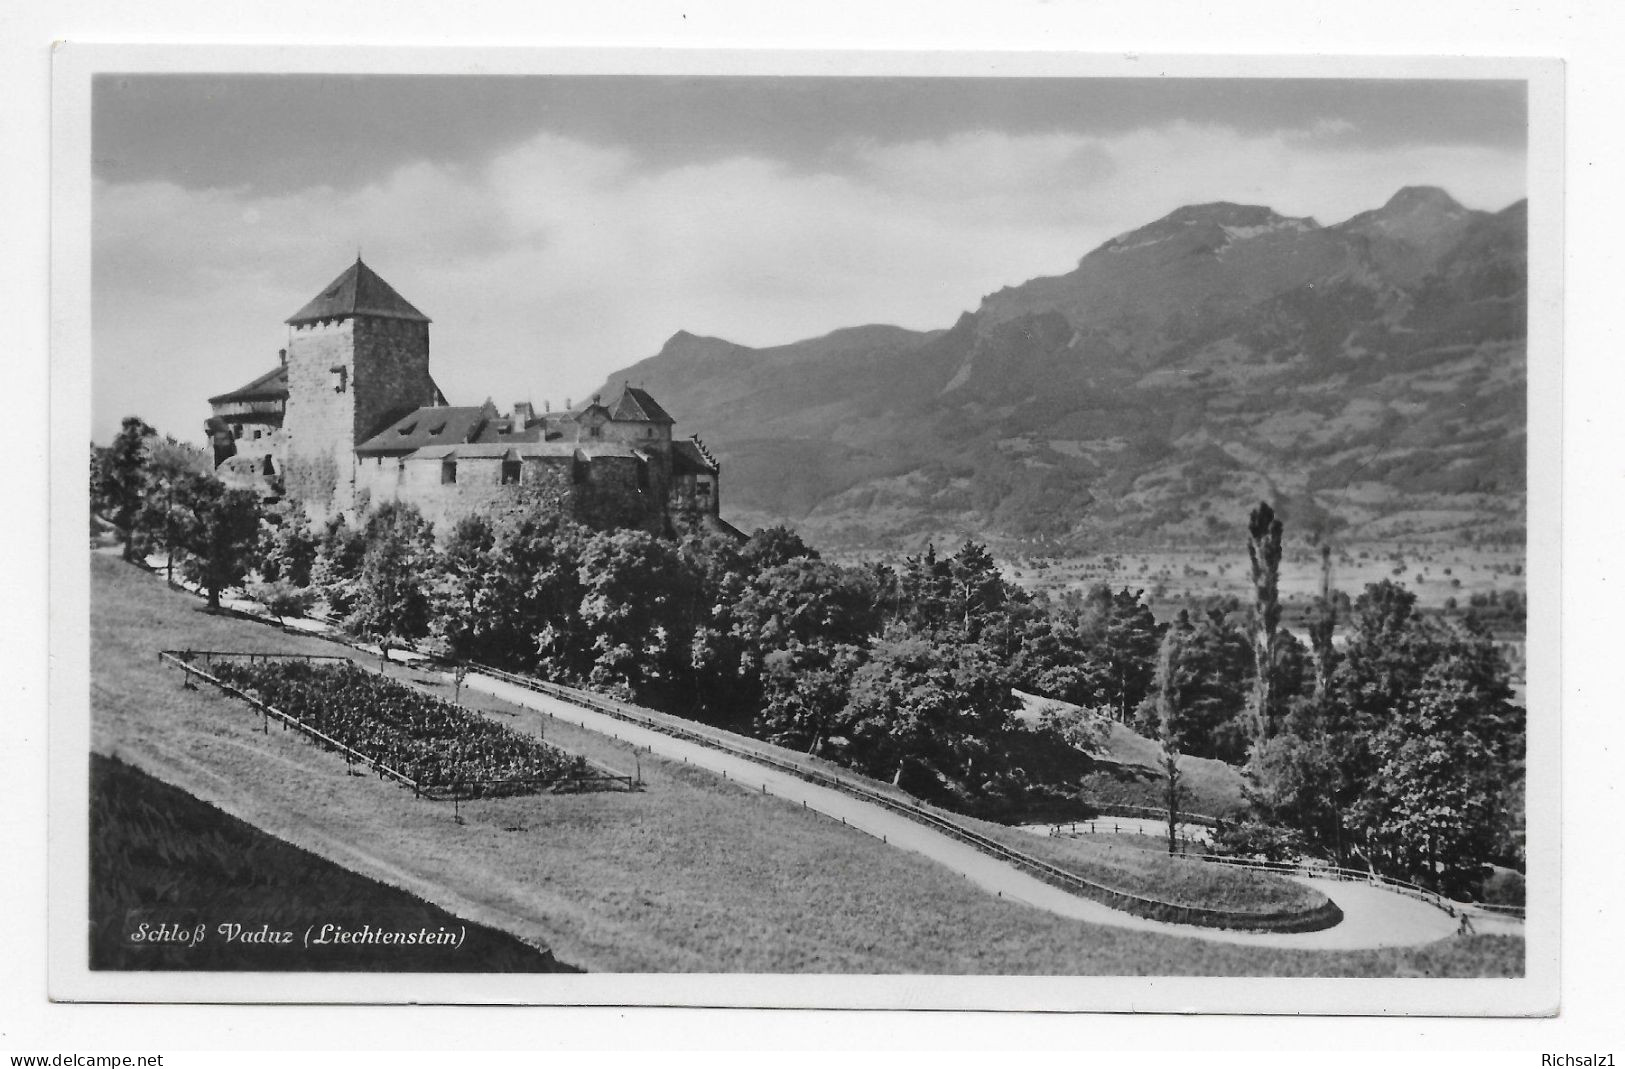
558, 261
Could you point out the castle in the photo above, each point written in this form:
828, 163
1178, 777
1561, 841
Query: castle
351, 418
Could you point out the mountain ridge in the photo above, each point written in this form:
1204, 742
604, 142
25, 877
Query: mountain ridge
1367, 376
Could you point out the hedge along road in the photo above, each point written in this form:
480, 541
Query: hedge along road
1372, 916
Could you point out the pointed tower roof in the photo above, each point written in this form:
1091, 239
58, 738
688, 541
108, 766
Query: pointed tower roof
358, 291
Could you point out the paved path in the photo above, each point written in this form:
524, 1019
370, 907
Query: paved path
1372, 917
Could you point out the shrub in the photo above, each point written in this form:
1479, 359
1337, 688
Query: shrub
1503, 887
1266, 842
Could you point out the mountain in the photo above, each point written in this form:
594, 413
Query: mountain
1368, 377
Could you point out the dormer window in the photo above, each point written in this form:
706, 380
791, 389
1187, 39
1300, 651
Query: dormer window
436, 429
408, 429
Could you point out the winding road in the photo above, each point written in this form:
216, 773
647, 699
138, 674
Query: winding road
1372, 915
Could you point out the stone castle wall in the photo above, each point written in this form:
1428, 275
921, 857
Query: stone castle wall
347, 379
391, 375
608, 493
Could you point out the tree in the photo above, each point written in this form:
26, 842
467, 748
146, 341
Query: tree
119, 478
977, 590
804, 689
1435, 808
281, 598
769, 547
168, 463
928, 714
636, 612
802, 628
1264, 554
1322, 627
339, 553
1211, 678
1169, 724
1410, 756
1290, 779
219, 529
508, 593
391, 597
288, 547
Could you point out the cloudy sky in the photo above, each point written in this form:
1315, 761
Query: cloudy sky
559, 228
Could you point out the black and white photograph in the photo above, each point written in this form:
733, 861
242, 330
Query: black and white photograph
814, 530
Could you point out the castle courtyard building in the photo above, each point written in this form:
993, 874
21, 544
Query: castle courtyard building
351, 418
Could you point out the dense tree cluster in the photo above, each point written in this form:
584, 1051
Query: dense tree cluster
1410, 759
904, 671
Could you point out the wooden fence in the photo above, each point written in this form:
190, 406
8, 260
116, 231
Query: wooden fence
1334, 872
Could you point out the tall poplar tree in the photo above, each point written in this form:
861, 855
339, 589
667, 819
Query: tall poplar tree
1264, 552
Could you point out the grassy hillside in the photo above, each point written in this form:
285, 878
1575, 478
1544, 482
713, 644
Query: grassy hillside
1143, 867
1129, 775
160, 856
692, 874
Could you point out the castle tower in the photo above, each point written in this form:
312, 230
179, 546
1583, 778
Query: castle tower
358, 359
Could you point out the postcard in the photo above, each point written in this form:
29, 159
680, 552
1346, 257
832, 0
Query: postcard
831, 530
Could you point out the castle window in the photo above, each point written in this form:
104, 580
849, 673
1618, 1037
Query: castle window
510, 473
400, 470
448, 471
341, 376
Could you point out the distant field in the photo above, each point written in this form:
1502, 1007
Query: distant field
1434, 573
692, 874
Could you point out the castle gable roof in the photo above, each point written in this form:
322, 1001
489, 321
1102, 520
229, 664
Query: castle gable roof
439, 425
357, 291
636, 404
271, 386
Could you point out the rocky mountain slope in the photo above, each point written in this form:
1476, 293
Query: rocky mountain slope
1368, 377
